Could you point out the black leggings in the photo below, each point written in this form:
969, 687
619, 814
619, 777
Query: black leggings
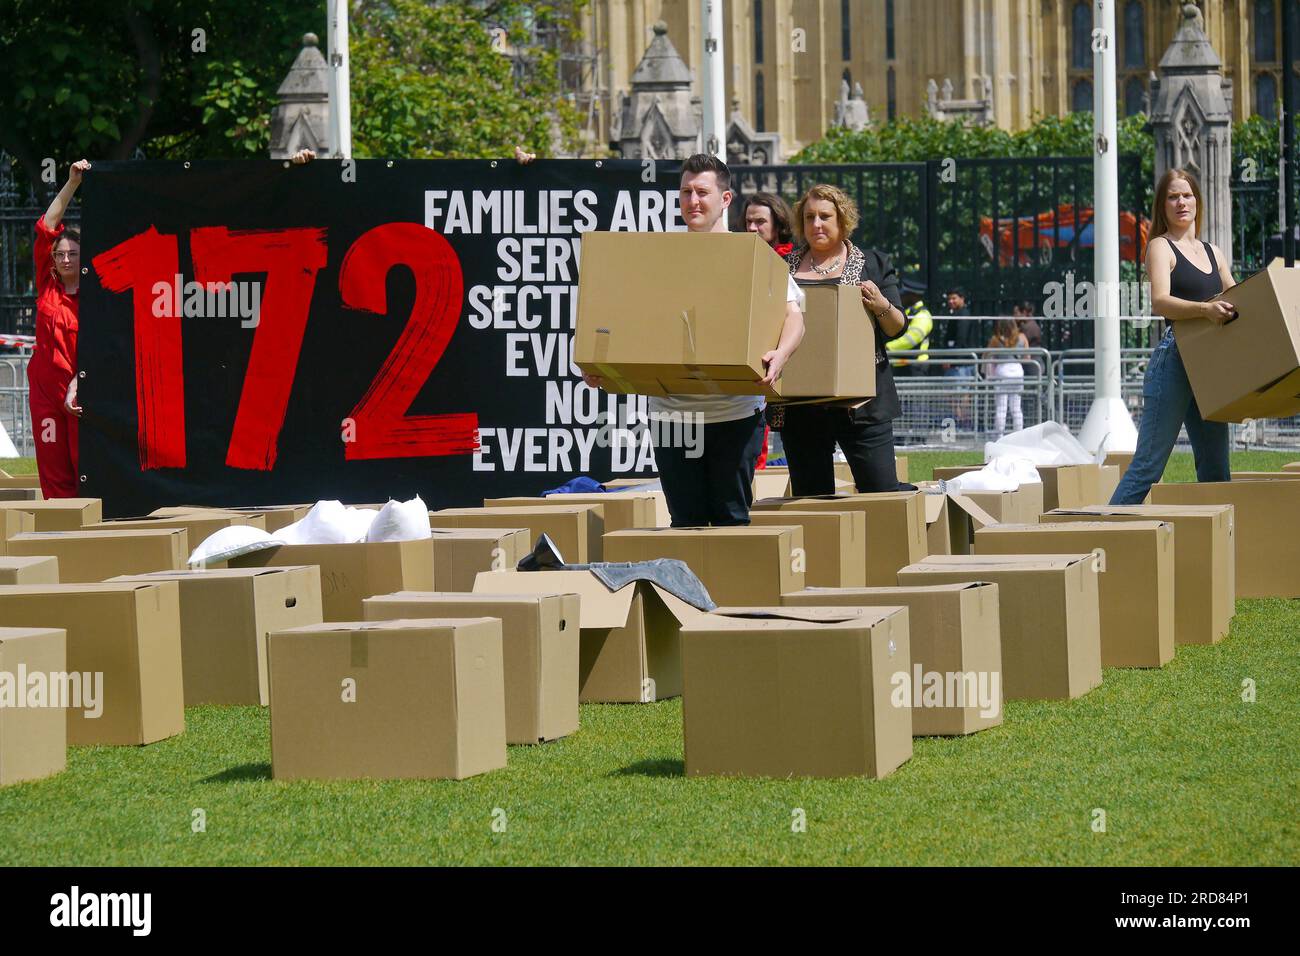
810, 435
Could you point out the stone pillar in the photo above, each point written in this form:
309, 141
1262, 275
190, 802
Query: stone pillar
1191, 116
302, 117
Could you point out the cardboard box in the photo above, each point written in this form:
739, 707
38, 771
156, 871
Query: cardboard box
459, 554
1291, 466
901, 468
88, 556
277, 516
837, 334
33, 730
951, 521
128, 638
21, 494
1120, 459
1266, 528
1107, 481
775, 482
540, 639
1136, 592
199, 525
1022, 506
575, 529
795, 692
25, 570
1249, 367
226, 614
1050, 611
617, 511
895, 528
738, 565
1265, 476
651, 321
421, 699
834, 544
20, 481
59, 514
630, 646
1071, 486
1205, 584
956, 641
643, 486
12, 523
350, 573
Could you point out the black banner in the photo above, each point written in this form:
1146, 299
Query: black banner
257, 333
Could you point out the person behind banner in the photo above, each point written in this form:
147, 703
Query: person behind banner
824, 219
1185, 273
709, 481
52, 371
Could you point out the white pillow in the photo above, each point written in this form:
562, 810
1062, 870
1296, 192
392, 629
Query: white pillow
231, 543
328, 522
401, 521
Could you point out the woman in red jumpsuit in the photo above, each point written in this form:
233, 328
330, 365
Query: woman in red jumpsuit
51, 373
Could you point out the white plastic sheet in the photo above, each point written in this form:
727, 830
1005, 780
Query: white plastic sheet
231, 543
1047, 444
1001, 474
400, 521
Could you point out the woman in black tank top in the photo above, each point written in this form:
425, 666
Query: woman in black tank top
1181, 290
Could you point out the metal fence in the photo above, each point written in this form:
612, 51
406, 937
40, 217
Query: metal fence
14, 414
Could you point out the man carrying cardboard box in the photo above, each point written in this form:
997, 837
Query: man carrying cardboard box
710, 482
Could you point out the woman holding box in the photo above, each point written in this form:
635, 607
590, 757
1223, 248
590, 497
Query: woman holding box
823, 220
1185, 274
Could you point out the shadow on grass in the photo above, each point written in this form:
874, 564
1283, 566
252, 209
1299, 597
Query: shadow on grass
247, 771
664, 767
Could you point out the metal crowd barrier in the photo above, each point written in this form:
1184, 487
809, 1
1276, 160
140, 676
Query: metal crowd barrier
14, 413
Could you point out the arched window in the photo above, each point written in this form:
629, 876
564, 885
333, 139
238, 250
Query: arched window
1081, 36
1265, 31
1135, 34
1135, 93
846, 31
758, 31
1082, 100
760, 104
889, 29
1266, 96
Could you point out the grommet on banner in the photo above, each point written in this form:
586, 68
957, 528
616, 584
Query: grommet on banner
186, 164
599, 164
83, 478
390, 164
84, 270
494, 164
81, 375
285, 164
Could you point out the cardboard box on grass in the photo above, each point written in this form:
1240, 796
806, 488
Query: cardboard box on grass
895, 528
350, 573
641, 486
276, 517
33, 729
20, 481
405, 699
629, 650
1265, 527
834, 544
88, 556
540, 641
837, 334
1250, 366
1291, 466
199, 525
1050, 616
130, 635
956, 634
575, 529
14, 523
29, 570
951, 521
1120, 459
1205, 580
459, 554
795, 692
652, 322
1136, 592
1265, 476
1064, 486
59, 514
617, 511
226, 614
737, 565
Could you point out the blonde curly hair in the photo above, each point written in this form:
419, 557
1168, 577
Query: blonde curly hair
846, 210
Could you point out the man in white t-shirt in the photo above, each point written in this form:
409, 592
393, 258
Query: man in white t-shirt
706, 446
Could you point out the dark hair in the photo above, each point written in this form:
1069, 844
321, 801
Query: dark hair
1027, 308
69, 232
957, 290
708, 163
780, 213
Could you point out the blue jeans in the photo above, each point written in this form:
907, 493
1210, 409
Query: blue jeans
1168, 403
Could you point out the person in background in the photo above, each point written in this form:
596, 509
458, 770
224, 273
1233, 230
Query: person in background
960, 333
714, 487
1186, 274
52, 371
916, 337
1024, 315
824, 220
1007, 374
768, 215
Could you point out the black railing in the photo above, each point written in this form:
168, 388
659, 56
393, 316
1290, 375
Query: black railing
19, 208
1256, 219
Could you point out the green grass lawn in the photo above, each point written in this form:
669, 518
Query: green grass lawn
1186, 772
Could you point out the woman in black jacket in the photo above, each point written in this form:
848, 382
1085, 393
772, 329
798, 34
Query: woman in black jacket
824, 219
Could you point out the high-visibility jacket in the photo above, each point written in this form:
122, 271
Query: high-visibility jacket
916, 336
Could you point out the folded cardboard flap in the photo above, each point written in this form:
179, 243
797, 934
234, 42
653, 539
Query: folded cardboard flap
863, 616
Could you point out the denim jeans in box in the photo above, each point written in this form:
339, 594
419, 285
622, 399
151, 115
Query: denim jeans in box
1168, 404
